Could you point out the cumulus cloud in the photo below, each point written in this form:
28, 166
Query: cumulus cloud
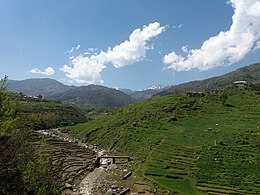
257, 45
87, 69
48, 71
227, 47
134, 49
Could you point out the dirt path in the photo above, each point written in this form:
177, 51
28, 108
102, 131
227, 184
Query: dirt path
88, 185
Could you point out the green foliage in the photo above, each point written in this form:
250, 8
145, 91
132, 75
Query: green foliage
186, 144
11, 181
7, 109
223, 97
36, 175
37, 113
94, 96
22, 170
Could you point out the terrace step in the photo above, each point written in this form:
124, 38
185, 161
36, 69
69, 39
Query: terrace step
213, 188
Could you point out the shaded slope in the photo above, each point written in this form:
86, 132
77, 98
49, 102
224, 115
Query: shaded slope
94, 96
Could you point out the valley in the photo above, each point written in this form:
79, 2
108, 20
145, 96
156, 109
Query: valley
186, 145
204, 142
134, 97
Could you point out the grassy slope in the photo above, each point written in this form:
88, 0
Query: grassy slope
248, 73
44, 114
172, 147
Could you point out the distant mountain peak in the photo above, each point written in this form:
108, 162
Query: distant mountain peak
155, 87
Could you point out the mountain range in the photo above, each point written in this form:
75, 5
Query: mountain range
95, 96
91, 96
45, 87
141, 95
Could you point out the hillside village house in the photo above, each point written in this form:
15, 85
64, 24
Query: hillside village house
240, 83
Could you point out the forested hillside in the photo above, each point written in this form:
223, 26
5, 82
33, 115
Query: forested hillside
38, 113
86, 97
22, 169
248, 73
94, 96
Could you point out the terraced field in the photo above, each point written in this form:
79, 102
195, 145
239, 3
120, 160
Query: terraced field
73, 162
173, 166
187, 145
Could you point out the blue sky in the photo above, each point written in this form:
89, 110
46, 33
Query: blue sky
127, 44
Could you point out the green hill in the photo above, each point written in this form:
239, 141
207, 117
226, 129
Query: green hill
186, 145
248, 73
94, 96
88, 97
38, 113
45, 87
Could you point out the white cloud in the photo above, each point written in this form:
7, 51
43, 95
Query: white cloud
185, 49
257, 46
181, 25
48, 71
134, 49
226, 47
77, 47
72, 49
87, 53
87, 69
91, 49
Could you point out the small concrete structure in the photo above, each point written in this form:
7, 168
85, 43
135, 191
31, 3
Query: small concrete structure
127, 175
240, 83
124, 191
195, 94
111, 157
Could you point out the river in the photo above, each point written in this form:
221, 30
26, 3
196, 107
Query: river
103, 180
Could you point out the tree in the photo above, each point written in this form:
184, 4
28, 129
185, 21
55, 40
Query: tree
223, 96
7, 108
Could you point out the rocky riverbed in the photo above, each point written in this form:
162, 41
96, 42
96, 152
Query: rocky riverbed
79, 174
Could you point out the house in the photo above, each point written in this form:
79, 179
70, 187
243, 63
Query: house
195, 94
240, 83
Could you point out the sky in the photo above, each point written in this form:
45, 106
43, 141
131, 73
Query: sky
127, 44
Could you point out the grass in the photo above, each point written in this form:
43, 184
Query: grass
185, 143
44, 114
